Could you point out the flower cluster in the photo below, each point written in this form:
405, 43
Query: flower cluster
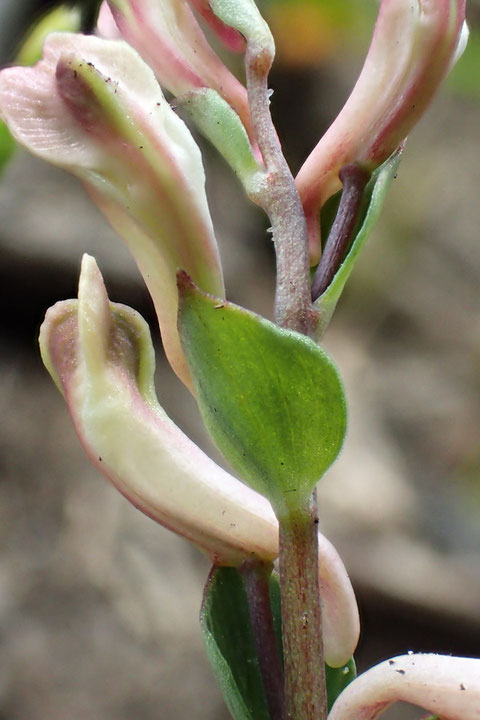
94, 106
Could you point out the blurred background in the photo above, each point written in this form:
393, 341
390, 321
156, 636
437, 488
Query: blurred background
98, 605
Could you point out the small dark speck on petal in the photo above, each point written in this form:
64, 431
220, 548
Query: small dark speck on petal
391, 662
400, 672
462, 686
99, 459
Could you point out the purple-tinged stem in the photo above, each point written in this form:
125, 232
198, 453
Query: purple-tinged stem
304, 665
354, 179
256, 577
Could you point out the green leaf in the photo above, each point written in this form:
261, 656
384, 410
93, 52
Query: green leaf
7, 145
338, 679
271, 399
228, 638
464, 76
60, 19
229, 643
373, 200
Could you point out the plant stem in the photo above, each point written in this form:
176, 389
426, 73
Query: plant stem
256, 576
304, 665
280, 200
305, 688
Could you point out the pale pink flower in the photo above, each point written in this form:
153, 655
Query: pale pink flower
414, 45
445, 686
94, 108
101, 357
168, 37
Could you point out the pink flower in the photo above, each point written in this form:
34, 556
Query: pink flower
168, 37
445, 686
231, 38
93, 107
101, 357
415, 43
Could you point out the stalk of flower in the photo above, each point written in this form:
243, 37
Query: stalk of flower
448, 687
413, 47
101, 357
168, 37
94, 108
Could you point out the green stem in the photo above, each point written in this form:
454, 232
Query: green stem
256, 576
304, 665
280, 200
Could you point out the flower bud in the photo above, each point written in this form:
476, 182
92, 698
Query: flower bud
169, 38
415, 43
93, 107
231, 38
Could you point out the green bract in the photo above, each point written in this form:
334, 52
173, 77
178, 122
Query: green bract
337, 680
229, 643
7, 145
220, 124
271, 398
373, 200
243, 15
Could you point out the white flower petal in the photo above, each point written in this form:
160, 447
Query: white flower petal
443, 685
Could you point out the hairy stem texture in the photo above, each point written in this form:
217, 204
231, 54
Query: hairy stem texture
304, 666
281, 202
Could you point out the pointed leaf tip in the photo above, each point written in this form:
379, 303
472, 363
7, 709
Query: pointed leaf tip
185, 283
